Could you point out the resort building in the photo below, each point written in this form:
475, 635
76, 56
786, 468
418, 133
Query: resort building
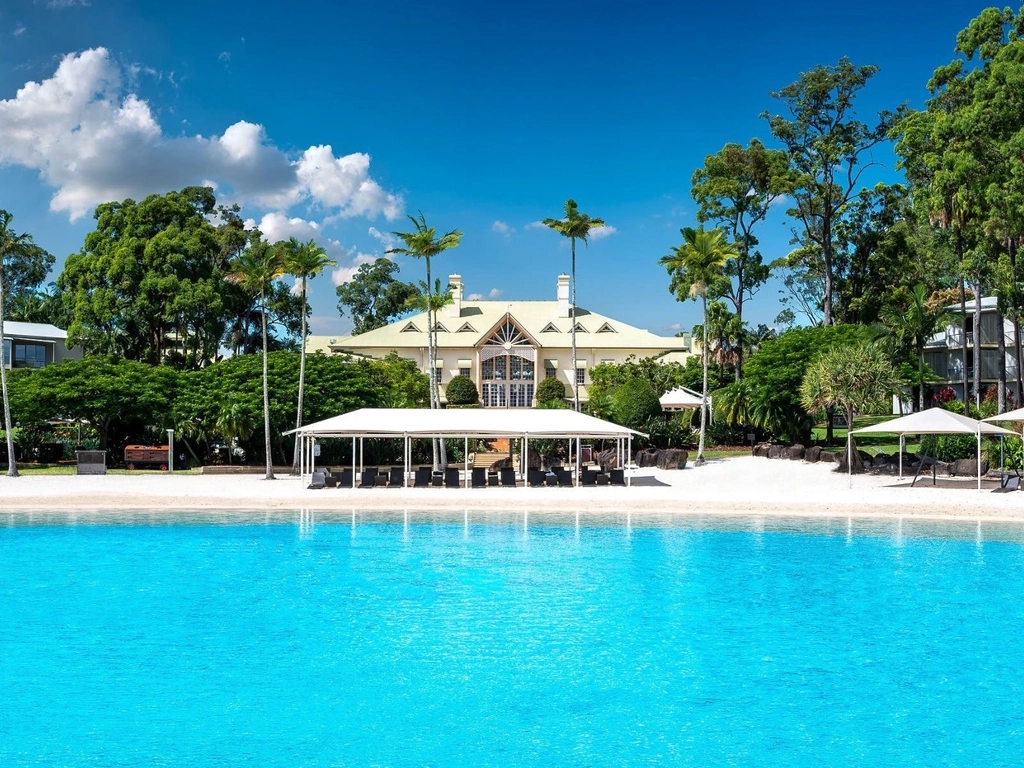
944, 351
35, 345
508, 347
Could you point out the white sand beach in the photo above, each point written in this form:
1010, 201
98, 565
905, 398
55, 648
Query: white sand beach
736, 486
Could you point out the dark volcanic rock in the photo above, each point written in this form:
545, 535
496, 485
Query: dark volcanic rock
813, 454
967, 467
796, 452
776, 452
672, 458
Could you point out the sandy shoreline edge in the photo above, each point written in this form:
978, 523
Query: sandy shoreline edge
733, 487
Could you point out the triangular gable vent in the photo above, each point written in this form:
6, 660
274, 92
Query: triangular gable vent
466, 327
410, 327
581, 329
440, 328
606, 328
549, 328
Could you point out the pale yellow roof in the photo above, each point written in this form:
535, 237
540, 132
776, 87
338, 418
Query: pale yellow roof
538, 319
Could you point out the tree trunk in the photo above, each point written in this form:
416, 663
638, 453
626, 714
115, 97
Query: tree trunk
266, 392
12, 464
977, 343
1001, 365
963, 337
302, 378
704, 402
920, 381
572, 316
826, 254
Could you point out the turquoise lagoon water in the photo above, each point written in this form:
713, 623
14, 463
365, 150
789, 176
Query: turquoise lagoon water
482, 639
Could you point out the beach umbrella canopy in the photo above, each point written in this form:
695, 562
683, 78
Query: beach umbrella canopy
681, 399
1016, 416
935, 421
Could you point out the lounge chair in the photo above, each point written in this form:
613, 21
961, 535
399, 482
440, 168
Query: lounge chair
451, 478
617, 477
588, 477
369, 478
535, 477
317, 480
602, 478
382, 477
330, 481
507, 476
422, 477
564, 477
551, 478
397, 478
1010, 482
492, 478
345, 478
478, 479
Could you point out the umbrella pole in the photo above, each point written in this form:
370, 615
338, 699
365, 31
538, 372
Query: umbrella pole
849, 460
979, 457
902, 438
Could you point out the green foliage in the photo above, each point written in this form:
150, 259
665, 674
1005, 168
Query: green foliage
664, 431
852, 378
949, 447
461, 391
551, 390
399, 381
374, 297
117, 397
768, 397
634, 402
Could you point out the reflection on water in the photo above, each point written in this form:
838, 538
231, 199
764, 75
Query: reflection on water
411, 520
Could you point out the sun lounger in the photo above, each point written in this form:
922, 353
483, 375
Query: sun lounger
451, 478
564, 477
588, 477
507, 476
602, 478
1010, 482
330, 481
317, 481
551, 478
535, 477
422, 477
368, 479
492, 479
382, 478
345, 478
397, 478
478, 479
617, 477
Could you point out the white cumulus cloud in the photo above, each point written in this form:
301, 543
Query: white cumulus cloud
502, 228
494, 293
93, 141
536, 225
344, 273
602, 232
19, 30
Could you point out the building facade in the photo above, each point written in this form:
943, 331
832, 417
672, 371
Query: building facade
35, 345
508, 347
944, 351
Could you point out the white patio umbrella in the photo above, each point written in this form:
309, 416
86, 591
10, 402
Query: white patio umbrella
934, 421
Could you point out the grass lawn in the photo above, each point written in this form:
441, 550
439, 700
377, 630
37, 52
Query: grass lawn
70, 469
871, 443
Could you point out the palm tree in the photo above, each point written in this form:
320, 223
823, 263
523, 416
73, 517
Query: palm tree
575, 226
911, 327
431, 306
695, 266
11, 245
423, 243
303, 261
255, 269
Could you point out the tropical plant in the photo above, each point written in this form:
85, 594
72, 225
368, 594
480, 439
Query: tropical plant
423, 243
461, 391
550, 390
695, 266
634, 403
255, 269
575, 226
910, 327
303, 261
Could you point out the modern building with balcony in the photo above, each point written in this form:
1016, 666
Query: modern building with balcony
944, 351
35, 345
508, 347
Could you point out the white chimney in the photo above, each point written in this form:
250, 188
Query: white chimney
563, 295
455, 308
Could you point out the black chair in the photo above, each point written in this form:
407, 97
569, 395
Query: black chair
422, 477
369, 478
345, 478
1009, 482
564, 477
507, 476
478, 479
602, 478
382, 478
617, 477
588, 477
551, 478
492, 478
535, 477
330, 481
317, 481
451, 478
397, 478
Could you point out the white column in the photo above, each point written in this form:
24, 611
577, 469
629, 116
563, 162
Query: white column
849, 458
902, 438
979, 456
405, 460
577, 461
629, 461
526, 452
353, 464
465, 458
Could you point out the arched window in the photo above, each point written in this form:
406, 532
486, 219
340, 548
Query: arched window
508, 364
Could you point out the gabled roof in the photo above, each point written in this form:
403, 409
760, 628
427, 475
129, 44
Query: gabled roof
537, 319
46, 331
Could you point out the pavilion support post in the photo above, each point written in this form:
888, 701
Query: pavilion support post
353, 463
465, 459
362, 456
979, 457
849, 459
405, 460
629, 461
578, 457
526, 450
902, 444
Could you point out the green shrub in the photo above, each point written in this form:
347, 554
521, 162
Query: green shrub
634, 402
550, 390
461, 391
949, 447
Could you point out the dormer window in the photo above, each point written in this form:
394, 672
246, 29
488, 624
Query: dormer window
410, 327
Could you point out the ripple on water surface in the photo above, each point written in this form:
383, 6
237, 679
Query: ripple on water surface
411, 638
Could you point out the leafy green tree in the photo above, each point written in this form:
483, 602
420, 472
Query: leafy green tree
461, 391
634, 403
826, 145
303, 261
399, 381
911, 324
148, 270
550, 390
373, 297
768, 396
736, 189
116, 397
255, 269
694, 266
854, 378
575, 226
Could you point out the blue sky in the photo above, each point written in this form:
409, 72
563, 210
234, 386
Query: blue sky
335, 123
